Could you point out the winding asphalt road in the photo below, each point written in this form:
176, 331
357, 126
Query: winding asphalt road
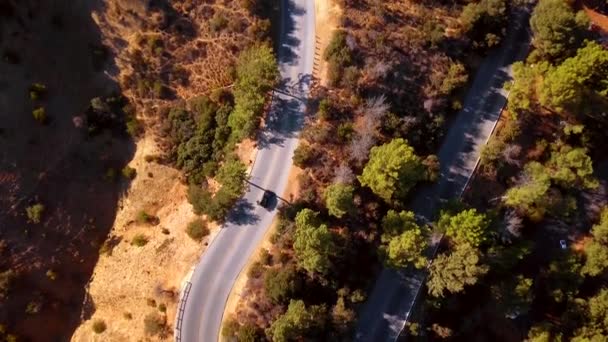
215, 274
394, 294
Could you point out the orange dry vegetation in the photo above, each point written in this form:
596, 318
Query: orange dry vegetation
188, 46
597, 18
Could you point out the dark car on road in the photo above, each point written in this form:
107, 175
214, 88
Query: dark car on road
267, 199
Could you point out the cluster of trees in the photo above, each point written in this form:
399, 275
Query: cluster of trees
231, 176
204, 131
340, 59
200, 135
460, 264
564, 73
551, 139
34, 213
114, 112
392, 170
538, 188
38, 93
359, 169
484, 22
403, 240
256, 74
596, 251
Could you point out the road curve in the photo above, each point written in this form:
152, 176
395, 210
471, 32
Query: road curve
384, 314
218, 268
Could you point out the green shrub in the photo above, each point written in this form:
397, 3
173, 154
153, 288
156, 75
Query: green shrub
230, 327
52, 275
433, 32
34, 213
154, 324
456, 78
218, 22
128, 172
127, 315
134, 127
143, 217
197, 229
350, 77
484, 21
338, 56
303, 155
162, 308
265, 257
39, 114
139, 240
257, 73
6, 281
33, 308
255, 270
248, 333
280, 285
151, 302
99, 326
110, 175
337, 50
325, 110
37, 91
345, 131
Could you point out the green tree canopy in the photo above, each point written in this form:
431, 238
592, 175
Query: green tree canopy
596, 251
468, 226
280, 284
595, 319
563, 277
392, 170
406, 249
483, 21
342, 316
297, 322
403, 241
395, 223
313, 243
529, 197
257, 73
571, 167
514, 295
452, 272
566, 85
543, 333
555, 28
523, 94
231, 176
339, 199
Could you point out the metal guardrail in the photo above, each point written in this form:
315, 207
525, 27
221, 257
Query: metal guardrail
180, 311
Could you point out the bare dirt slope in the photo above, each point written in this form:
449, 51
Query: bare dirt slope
132, 282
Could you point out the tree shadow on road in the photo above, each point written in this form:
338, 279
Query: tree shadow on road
289, 39
243, 214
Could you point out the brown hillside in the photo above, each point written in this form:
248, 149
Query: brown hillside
59, 55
